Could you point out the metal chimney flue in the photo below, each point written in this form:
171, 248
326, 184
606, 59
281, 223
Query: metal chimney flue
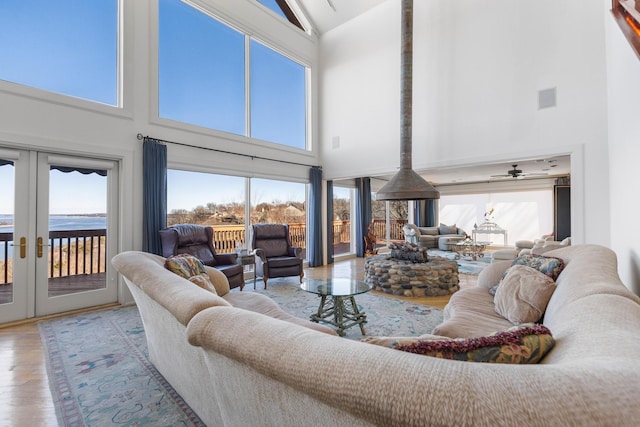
406, 184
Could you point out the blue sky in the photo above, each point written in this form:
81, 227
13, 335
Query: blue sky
70, 47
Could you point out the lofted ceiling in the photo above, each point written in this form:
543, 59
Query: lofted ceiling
326, 15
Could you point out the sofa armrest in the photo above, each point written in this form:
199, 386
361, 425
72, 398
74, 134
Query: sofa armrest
259, 253
226, 259
295, 251
218, 279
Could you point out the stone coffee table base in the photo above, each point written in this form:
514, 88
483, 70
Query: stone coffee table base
436, 277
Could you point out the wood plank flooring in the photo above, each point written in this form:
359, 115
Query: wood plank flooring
24, 386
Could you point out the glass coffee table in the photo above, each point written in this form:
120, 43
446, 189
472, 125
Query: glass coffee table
337, 303
470, 248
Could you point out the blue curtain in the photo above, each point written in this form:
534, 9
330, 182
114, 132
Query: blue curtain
329, 222
315, 217
154, 187
424, 214
363, 212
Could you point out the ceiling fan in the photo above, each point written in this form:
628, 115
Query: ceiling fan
517, 173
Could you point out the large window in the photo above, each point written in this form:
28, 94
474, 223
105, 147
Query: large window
64, 46
526, 215
223, 205
342, 201
281, 202
208, 199
202, 79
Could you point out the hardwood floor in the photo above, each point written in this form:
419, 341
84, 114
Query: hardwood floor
24, 386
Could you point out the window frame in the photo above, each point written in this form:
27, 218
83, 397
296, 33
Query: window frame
249, 34
124, 74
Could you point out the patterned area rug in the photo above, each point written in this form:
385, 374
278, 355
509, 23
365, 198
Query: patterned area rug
385, 316
100, 375
465, 264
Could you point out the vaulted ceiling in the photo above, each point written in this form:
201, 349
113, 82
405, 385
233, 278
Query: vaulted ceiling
329, 14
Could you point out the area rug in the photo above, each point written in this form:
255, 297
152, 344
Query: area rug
100, 375
385, 316
465, 264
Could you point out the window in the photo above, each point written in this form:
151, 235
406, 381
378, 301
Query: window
202, 79
281, 202
222, 207
342, 198
525, 214
201, 63
64, 46
277, 98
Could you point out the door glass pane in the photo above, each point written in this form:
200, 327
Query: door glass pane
77, 230
341, 220
398, 216
6, 230
281, 202
208, 199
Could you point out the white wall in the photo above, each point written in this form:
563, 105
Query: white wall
478, 67
624, 152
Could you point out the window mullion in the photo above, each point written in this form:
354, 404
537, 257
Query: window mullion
247, 85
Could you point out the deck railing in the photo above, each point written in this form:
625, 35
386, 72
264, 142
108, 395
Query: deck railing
74, 252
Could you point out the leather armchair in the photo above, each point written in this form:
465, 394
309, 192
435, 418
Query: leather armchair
275, 257
197, 240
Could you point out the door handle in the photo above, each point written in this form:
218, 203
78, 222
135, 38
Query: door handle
39, 247
23, 247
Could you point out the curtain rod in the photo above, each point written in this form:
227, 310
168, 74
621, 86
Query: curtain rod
252, 157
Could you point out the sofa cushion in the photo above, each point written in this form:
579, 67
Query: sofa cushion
184, 265
447, 229
523, 294
428, 231
521, 344
203, 281
550, 266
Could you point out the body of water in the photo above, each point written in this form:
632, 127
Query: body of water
56, 223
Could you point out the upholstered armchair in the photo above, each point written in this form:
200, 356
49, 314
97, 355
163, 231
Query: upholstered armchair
275, 257
197, 240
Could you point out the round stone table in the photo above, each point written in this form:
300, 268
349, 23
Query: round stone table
436, 277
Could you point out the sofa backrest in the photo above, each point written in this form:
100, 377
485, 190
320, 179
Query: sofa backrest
179, 296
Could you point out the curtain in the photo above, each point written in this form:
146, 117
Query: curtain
315, 217
424, 214
329, 222
154, 187
363, 212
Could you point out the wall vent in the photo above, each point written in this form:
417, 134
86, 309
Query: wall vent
546, 98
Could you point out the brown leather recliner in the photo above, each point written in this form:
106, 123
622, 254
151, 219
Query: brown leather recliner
197, 240
275, 257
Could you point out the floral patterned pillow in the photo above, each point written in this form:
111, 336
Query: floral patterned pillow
527, 343
550, 266
184, 265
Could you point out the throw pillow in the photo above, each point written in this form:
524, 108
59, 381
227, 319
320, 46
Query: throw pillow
204, 282
523, 294
520, 344
550, 266
184, 265
448, 229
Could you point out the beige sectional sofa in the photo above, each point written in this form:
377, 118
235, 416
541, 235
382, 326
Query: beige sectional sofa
436, 237
237, 367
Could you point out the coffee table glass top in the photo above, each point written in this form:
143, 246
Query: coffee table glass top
335, 287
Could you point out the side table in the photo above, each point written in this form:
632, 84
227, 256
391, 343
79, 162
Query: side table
248, 259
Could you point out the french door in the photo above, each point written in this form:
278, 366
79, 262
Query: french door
58, 232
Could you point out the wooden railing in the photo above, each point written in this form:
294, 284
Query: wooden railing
73, 252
